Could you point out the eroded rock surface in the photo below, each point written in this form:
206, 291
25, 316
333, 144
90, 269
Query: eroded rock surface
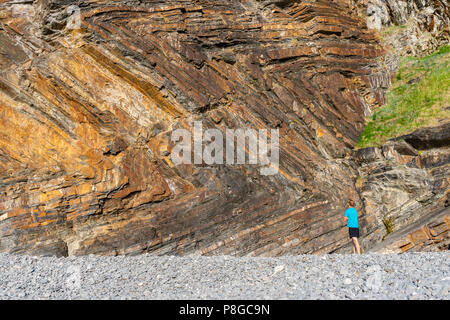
406, 191
91, 92
429, 233
409, 27
87, 115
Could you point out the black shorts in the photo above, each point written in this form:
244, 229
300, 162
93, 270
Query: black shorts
353, 232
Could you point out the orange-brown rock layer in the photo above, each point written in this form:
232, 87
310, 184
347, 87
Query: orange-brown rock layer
86, 117
431, 233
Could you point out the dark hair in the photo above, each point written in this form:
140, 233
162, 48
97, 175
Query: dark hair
351, 202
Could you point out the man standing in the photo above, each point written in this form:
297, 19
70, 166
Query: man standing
351, 217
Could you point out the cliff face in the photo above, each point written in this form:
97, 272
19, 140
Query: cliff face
406, 192
91, 91
404, 184
427, 15
409, 27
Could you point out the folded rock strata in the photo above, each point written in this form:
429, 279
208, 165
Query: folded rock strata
91, 92
87, 116
429, 233
406, 193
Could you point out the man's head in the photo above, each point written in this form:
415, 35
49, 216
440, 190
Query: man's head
350, 203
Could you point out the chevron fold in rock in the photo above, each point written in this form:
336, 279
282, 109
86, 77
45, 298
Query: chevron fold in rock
85, 116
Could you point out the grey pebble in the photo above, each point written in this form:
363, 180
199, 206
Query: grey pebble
369, 276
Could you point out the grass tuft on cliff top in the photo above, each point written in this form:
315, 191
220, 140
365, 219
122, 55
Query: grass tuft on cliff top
419, 97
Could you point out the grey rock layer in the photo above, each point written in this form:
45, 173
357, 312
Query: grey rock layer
402, 183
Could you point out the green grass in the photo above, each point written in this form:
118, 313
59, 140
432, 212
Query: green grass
422, 102
388, 225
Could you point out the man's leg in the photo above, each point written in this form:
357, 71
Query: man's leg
356, 245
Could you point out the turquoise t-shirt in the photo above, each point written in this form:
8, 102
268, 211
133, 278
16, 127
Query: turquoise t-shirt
352, 216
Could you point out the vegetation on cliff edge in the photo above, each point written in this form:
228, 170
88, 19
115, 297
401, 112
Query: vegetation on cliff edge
419, 97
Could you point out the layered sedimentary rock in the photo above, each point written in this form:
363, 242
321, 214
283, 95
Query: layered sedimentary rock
405, 187
409, 27
427, 15
430, 233
91, 91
